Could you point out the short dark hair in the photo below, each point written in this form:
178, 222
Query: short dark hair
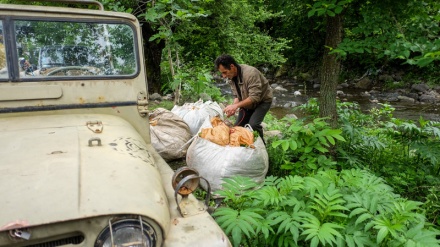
225, 60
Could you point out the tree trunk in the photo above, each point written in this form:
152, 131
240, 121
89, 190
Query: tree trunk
330, 70
153, 55
152, 50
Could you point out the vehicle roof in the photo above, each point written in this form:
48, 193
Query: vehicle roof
17, 9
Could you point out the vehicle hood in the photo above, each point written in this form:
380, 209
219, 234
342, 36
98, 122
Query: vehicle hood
59, 168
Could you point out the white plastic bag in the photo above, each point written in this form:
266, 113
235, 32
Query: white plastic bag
194, 114
215, 162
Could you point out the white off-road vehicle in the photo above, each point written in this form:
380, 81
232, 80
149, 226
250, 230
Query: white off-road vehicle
77, 167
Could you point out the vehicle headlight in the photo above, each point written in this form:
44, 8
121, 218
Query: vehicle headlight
127, 233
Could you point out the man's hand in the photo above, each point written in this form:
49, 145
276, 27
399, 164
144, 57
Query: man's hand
230, 110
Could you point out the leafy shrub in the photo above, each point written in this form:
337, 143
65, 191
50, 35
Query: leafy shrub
304, 147
404, 153
192, 82
347, 208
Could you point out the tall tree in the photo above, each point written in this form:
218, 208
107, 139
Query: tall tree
152, 48
330, 70
331, 65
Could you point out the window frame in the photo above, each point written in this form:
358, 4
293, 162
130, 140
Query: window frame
9, 40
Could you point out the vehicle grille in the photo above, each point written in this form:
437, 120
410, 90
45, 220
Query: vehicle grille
60, 242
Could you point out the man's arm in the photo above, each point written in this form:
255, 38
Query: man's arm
231, 109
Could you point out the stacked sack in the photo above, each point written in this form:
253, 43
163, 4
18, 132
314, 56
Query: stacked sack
220, 151
170, 135
194, 114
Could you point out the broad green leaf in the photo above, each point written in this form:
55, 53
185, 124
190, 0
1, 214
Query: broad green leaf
349, 240
422, 62
293, 145
321, 148
314, 242
357, 211
331, 140
312, 165
285, 145
320, 11
317, 4
236, 236
383, 232
338, 9
331, 13
363, 218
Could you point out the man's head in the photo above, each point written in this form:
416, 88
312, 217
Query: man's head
227, 66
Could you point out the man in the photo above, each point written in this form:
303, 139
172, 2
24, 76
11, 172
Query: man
251, 90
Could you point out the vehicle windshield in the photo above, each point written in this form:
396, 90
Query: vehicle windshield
72, 49
52, 56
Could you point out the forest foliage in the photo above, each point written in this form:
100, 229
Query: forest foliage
377, 35
373, 180
380, 188
291, 33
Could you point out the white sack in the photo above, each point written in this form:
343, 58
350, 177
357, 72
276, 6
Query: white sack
194, 114
170, 135
215, 162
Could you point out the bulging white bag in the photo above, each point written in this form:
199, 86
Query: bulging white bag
194, 114
170, 135
215, 162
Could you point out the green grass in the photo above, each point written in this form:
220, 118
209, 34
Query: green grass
162, 104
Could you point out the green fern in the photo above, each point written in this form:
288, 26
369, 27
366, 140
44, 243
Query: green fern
364, 207
270, 195
275, 192
290, 183
237, 222
418, 236
239, 184
329, 203
237, 189
286, 223
356, 237
432, 128
386, 226
395, 221
283, 240
311, 185
347, 208
329, 176
293, 204
320, 233
265, 227
428, 151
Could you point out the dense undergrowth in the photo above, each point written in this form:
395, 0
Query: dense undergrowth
373, 182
